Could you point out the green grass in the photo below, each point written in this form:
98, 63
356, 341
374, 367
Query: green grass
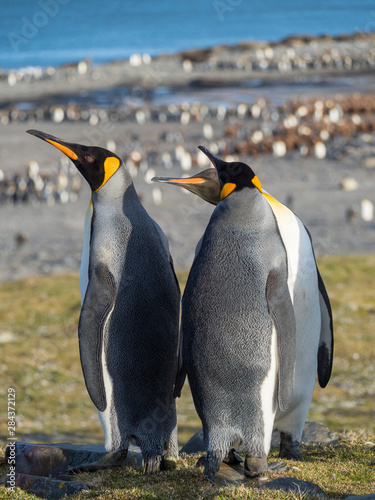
341, 470
41, 362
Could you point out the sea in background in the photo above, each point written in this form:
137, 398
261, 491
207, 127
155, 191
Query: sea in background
54, 32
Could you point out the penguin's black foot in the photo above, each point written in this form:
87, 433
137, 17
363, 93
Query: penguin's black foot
109, 461
212, 464
255, 466
152, 464
289, 449
233, 458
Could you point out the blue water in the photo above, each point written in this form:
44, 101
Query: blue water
53, 32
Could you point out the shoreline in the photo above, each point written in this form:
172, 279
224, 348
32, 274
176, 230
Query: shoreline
293, 57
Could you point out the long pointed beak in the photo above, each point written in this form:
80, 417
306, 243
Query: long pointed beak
183, 180
214, 159
63, 146
205, 184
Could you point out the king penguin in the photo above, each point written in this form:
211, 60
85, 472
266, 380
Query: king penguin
129, 323
256, 319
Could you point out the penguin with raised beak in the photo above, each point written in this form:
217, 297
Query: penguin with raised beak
256, 319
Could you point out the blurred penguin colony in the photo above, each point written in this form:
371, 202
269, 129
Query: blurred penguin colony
322, 128
315, 127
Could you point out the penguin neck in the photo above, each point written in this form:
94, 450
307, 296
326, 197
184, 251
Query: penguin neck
114, 189
244, 208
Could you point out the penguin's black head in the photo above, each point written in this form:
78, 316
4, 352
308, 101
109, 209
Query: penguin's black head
233, 176
96, 164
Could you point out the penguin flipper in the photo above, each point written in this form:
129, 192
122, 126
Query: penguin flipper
325, 351
281, 311
96, 307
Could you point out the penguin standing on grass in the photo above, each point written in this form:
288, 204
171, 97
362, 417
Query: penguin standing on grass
256, 320
129, 322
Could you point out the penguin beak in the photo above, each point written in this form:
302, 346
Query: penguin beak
64, 147
214, 159
182, 181
205, 184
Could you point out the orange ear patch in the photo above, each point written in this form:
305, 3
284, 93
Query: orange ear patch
228, 188
257, 183
111, 164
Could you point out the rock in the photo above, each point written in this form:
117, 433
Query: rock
43, 469
316, 433
53, 460
296, 486
349, 184
230, 475
195, 444
46, 487
313, 433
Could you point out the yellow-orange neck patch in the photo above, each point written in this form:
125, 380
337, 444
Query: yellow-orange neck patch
111, 164
228, 188
257, 183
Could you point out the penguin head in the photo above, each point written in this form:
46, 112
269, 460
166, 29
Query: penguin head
233, 176
205, 184
97, 165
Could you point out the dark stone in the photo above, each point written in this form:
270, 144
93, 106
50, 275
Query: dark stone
43, 469
45, 487
195, 444
313, 433
53, 460
296, 486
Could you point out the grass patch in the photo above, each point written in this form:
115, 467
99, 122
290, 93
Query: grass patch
341, 470
40, 360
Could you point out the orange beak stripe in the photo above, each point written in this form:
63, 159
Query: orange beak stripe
188, 180
64, 149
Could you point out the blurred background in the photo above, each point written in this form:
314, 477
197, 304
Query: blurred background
287, 88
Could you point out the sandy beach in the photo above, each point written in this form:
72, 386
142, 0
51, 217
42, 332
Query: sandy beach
301, 112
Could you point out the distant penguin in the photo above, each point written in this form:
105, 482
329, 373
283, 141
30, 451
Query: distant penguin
129, 322
256, 320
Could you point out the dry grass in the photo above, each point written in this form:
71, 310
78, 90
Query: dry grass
40, 359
